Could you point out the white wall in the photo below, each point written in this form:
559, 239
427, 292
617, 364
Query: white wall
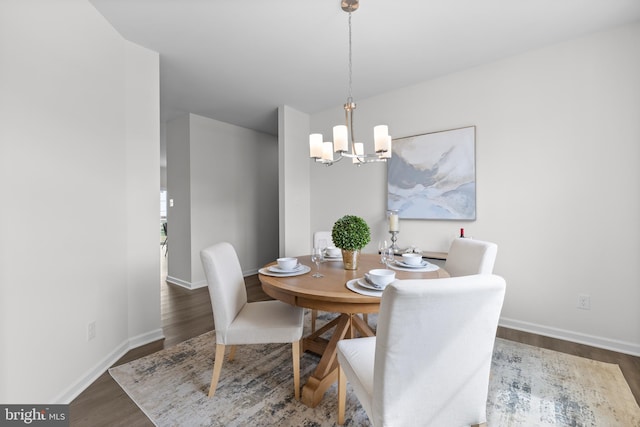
178, 193
80, 189
558, 183
232, 195
295, 208
142, 95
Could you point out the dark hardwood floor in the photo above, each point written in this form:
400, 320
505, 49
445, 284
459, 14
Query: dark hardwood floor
187, 314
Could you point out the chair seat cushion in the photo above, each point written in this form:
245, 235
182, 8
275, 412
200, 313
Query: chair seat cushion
264, 322
357, 357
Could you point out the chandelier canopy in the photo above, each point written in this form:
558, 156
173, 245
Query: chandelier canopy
344, 142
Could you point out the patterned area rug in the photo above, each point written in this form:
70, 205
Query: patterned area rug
529, 386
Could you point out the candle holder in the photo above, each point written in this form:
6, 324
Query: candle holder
394, 229
394, 246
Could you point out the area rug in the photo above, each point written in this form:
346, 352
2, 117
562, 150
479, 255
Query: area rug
529, 386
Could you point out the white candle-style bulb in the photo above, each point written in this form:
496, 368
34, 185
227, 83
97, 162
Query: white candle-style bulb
387, 154
394, 224
380, 133
327, 151
340, 139
315, 145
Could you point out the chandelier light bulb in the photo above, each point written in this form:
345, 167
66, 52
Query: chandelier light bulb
327, 151
315, 145
340, 138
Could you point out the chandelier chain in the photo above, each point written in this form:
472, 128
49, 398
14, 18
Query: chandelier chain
350, 62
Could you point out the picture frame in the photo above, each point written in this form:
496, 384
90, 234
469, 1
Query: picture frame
433, 175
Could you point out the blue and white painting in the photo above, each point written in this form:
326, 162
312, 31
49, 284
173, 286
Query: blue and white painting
433, 176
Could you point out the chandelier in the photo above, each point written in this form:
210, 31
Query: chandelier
344, 142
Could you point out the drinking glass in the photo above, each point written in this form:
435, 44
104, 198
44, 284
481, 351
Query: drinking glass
390, 256
382, 248
317, 255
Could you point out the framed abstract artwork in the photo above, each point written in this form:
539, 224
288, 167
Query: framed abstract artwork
433, 176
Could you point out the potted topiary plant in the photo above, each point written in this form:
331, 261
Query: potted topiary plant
350, 233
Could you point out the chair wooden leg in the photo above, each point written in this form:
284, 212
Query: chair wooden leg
295, 349
232, 353
342, 394
217, 368
314, 315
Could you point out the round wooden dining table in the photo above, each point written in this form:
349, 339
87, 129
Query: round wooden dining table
330, 293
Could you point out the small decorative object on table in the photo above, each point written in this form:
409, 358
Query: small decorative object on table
394, 229
350, 233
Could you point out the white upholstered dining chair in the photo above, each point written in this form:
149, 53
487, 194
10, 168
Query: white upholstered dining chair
429, 363
470, 256
322, 239
240, 322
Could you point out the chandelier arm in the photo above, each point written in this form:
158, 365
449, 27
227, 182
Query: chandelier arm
331, 162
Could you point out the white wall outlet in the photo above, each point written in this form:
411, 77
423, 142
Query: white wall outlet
584, 302
91, 330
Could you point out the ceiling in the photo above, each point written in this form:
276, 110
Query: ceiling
238, 60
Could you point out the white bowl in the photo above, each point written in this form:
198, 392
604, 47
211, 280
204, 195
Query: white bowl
381, 277
287, 263
412, 259
332, 251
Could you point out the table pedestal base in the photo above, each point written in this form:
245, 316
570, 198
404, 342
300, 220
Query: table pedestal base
346, 326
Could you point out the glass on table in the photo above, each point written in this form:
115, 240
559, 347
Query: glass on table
317, 256
389, 256
382, 249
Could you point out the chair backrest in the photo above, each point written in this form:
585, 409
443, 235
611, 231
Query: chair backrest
433, 350
226, 285
470, 256
319, 236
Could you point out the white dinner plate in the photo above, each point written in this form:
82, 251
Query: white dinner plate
276, 269
363, 282
422, 264
352, 285
419, 269
304, 270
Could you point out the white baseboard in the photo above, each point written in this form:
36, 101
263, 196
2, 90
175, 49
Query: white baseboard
145, 338
577, 337
202, 283
185, 284
250, 272
103, 365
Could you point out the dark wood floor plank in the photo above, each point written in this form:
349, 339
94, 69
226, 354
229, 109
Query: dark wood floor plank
187, 314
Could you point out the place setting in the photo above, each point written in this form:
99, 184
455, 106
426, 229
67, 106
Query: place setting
411, 262
332, 253
285, 267
373, 283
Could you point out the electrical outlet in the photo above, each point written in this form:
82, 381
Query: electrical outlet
91, 330
584, 302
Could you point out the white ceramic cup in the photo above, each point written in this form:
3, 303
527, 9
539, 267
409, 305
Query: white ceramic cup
287, 263
332, 251
412, 259
381, 277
